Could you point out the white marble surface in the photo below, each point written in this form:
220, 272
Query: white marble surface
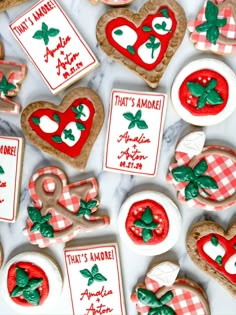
113, 187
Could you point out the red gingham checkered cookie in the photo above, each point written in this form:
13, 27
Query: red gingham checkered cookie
69, 200
15, 77
221, 168
229, 31
186, 301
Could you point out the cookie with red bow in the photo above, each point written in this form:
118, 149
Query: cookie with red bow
145, 41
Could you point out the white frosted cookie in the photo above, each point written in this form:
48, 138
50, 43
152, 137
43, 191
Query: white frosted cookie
149, 223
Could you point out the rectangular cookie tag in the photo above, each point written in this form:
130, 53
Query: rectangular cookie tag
11, 153
94, 277
53, 44
134, 132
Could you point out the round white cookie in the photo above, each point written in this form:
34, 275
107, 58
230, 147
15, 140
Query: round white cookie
173, 215
200, 64
52, 272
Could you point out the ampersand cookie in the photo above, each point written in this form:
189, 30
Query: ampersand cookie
204, 177
213, 250
67, 131
31, 283
11, 76
164, 293
146, 41
149, 223
7, 4
215, 27
60, 210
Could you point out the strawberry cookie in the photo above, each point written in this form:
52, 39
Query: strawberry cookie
214, 251
31, 283
67, 131
165, 294
203, 93
215, 27
205, 177
61, 210
146, 41
149, 223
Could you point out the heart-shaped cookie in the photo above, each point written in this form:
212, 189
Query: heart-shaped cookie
67, 131
214, 251
146, 41
6, 4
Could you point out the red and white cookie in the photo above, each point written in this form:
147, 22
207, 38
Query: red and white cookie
215, 27
61, 210
204, 177
149, 223
203, 93
164, 294
214, 251
31, 283
112, 2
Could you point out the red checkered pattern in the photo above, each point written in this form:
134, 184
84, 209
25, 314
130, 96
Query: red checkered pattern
15, 78
221, 168
183, 303
70, 201
229, 31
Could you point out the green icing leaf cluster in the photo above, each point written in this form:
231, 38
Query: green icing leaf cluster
1, 170
212, 24
93, 276
157, 306
5, 86
86, 207
152, 45
135, 120
45, 33
27, 287
147, 225
206, 94
195, 179
40, 222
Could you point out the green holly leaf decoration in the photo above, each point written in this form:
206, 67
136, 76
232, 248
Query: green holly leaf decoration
194, 179
93, 276
135, 120
206, 94
1, 170
40, 222
5, 86
87, 207
212, 24
22, 277
45, 33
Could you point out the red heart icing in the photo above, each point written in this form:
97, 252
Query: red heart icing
230, 250
63, 120
144, 33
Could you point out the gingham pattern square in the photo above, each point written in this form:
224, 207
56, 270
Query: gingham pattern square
68, 200
220, 167
229, 31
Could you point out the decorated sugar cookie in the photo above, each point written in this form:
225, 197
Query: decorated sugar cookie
6, 4
95, 279
112, 2
215, 27
60, 210
149, 223
203, 93
11, 77
67, 131
214, 251
54, 45
204, 177
11, 156
164, 294
146, 41
134, 132
31, 283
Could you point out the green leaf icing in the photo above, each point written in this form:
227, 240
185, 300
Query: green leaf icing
135, 120
131, 49
194, 179
212, 24
32, 297
86, 207
219, 260
40, 222
46, 230
147, 29
45, 33
164, 12
56, 117
57, 139
69, 135
36, 120
118, 32
214, 240
1, 170
162, 27
152, 45
22, 277
5, 86
93, 276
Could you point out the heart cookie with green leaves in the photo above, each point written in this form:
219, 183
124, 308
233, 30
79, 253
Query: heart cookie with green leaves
67, 131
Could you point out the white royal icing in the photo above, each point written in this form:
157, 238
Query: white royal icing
164, 273
48, 125
230, 265
128, 38
54, 279
160, 20
75, 131
146, 53
213, 251
192, 144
